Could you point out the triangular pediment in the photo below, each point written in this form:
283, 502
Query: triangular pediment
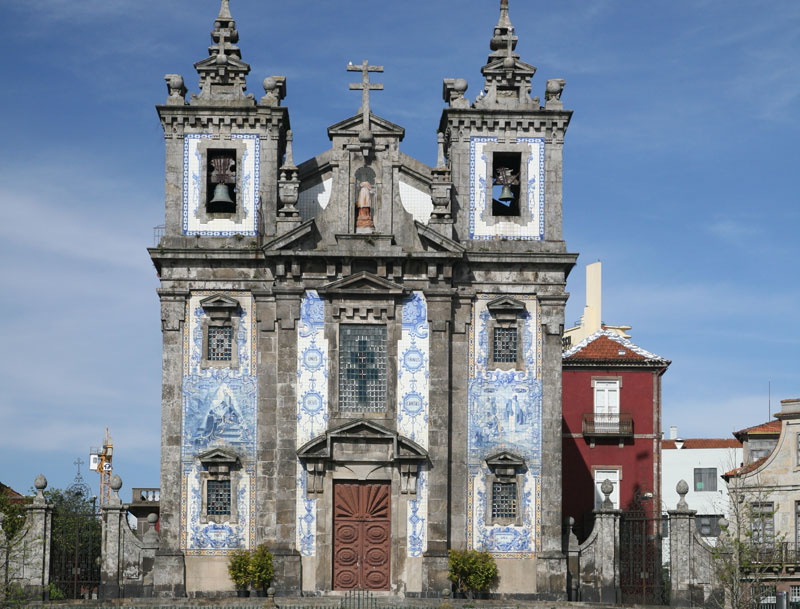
438, 240
363, 283
218, 456
505, 304
219, 302
505, 459
498, 67
403, 449
354, 124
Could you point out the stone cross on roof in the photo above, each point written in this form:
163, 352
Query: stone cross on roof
365, 85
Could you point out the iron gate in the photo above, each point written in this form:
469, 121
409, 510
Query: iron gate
641, 573
75, 546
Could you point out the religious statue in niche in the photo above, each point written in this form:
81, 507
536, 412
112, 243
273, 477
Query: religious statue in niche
365, 186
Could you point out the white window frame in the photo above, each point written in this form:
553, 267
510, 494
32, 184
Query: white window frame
614, 475
606, 392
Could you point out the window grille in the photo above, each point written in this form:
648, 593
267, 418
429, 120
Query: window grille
794, 594
504, 500
220, 340
218, 499
705, 478
708, 526
505, 345
362, 368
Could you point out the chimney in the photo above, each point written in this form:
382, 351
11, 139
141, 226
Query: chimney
592, 313
673, 432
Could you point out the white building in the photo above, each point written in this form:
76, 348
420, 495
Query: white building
701, 462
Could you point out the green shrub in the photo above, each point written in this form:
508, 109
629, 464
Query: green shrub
239, 568
261, 569
56, 594
472, 572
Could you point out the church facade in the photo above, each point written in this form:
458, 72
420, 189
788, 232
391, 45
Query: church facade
362, 353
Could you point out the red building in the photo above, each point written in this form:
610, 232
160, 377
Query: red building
611, 408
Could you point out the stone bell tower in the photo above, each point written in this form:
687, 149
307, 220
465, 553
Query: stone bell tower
504, 158
224, 149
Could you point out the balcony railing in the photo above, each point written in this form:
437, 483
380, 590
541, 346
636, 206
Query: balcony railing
146, 495
780, 553
616, 425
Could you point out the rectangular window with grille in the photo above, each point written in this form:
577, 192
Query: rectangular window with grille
707, 525
504, 346
362, 368
504, 500
218, 498
705, 478
220, 340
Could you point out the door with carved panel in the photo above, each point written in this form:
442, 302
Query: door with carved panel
361, 535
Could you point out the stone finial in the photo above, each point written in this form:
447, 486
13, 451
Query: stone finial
115, 484
607, 487
274, 90
40, 483
445, 604
222, 73
552, 93
682, 488
507, 83
453, 90
270, 602
176, 89
152, 518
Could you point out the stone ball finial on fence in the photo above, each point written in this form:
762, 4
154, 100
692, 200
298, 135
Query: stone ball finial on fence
445, 604
607, 487
152, 518
40, 483
682, 487
115, 484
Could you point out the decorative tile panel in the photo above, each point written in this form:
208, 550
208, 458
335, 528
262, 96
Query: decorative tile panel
413, 357
504, 414
506, 227
250, 174
219, 411
416, 202
312, 406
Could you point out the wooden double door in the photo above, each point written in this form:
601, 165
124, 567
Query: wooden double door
361, 535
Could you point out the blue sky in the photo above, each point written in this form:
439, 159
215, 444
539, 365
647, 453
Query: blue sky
680, 175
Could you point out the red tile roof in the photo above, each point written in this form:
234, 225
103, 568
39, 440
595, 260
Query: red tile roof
768, 428
610, 347
9, 492
690, 443
745, 469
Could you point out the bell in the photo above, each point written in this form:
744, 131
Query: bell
221, 194
506, 195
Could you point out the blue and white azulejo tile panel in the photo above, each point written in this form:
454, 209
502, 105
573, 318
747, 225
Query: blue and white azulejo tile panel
530, 224
413, 357
219, 411
312, 406
248, 175
504, 414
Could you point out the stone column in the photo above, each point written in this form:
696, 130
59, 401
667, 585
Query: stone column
150, 543
32, 556
170, 569
113, 518
681, 539
606, 521
434, 563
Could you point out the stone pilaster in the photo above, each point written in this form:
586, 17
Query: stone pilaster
434, 563
170, 570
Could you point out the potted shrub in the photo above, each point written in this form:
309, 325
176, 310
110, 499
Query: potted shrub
261, 569
472, 572
239, 570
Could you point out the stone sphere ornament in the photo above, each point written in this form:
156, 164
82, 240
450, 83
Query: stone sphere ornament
40, 483
116, 483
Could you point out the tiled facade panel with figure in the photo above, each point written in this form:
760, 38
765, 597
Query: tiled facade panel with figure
361, 352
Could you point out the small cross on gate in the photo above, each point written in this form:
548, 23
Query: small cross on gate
78, 462
365, 85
